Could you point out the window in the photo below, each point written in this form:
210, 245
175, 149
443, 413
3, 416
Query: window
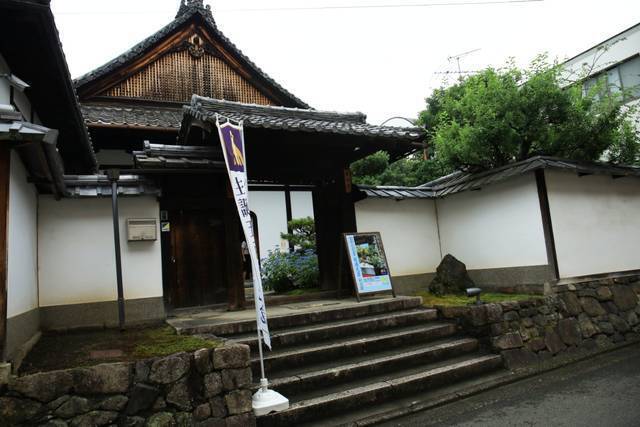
624, 76
630, 76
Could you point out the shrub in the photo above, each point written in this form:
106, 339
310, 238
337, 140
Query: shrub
283, 272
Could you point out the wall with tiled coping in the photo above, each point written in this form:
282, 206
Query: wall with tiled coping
577, 319
203, 388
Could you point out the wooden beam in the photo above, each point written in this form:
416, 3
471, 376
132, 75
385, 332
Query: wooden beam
547, 226
5, 161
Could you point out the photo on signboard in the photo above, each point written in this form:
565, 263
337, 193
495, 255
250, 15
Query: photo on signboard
368, 262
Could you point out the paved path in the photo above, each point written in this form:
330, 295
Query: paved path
603, 391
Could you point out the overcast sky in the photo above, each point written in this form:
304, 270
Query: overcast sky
378, 60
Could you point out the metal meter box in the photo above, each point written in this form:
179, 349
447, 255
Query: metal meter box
141, 229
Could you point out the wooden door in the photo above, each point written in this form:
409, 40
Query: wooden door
196, 271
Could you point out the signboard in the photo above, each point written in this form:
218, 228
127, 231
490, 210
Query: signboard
232, 140
368, 263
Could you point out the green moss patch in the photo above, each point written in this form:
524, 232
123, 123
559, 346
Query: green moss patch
86, 348
430, 300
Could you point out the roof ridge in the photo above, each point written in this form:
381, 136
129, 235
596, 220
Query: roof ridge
185, 12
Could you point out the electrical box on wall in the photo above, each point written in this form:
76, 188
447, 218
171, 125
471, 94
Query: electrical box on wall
141, 229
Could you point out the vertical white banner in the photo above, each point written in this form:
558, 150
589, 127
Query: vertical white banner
232, 141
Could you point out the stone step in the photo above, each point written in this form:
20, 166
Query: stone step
306, 316
341, 371
318, 404
343, 328
346, 347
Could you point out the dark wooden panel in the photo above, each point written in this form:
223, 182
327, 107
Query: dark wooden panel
5, 157
195, 265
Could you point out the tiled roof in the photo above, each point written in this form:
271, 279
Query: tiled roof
296, 119
100, 186
461, 181
160, 156
187, 11
397, 193
150, 116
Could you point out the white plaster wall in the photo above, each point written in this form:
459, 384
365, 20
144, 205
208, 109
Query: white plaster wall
498, 226
76, 251
409, 232
270, 208
596, 223
301, 204
22, 258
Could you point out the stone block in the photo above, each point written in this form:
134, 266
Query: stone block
477, 315
55, 422
169, 369
592, 307
553, 342
510, 305
606, 328
617, 338
624, 297
569, 331
507, 341
202, 361
161, 419
44, 387
619, 323
570, 304
238, 401
536, 344
218, 408
184, 419
527, 322
587, 293
107, 378
511, 316
212, 422
603, 293
179, 395
75, 405
202, 412
587, 327
610, 307
455, 312
632, 318
114, 403
212, 384
243, 420
494, 313
602, 341
142, 397
142, 369
231, 356
14, 411
519, 358
236, 378
498, 329
94, 418
632, 336
589, 345
133, 422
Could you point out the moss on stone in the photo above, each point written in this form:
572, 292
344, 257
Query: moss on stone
430, 300
165, 341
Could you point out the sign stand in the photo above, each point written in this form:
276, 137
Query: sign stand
368, 261
265, 400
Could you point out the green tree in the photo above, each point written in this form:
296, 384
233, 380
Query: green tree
500, 116
303, 234
411, 171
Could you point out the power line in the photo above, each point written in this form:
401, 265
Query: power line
381, 6
308, 8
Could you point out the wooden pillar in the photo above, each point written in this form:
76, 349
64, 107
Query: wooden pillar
334, 213
5, 160
233, 252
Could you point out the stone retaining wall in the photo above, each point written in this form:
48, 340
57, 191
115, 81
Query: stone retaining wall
203, 388
578, 319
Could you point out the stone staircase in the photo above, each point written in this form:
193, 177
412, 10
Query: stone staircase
338, 366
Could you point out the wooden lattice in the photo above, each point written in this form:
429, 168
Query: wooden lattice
178, 75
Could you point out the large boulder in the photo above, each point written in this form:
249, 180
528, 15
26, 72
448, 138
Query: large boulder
451, 277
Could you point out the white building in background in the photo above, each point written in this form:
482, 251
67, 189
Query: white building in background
617, 60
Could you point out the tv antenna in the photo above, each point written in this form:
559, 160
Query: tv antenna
461, 55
